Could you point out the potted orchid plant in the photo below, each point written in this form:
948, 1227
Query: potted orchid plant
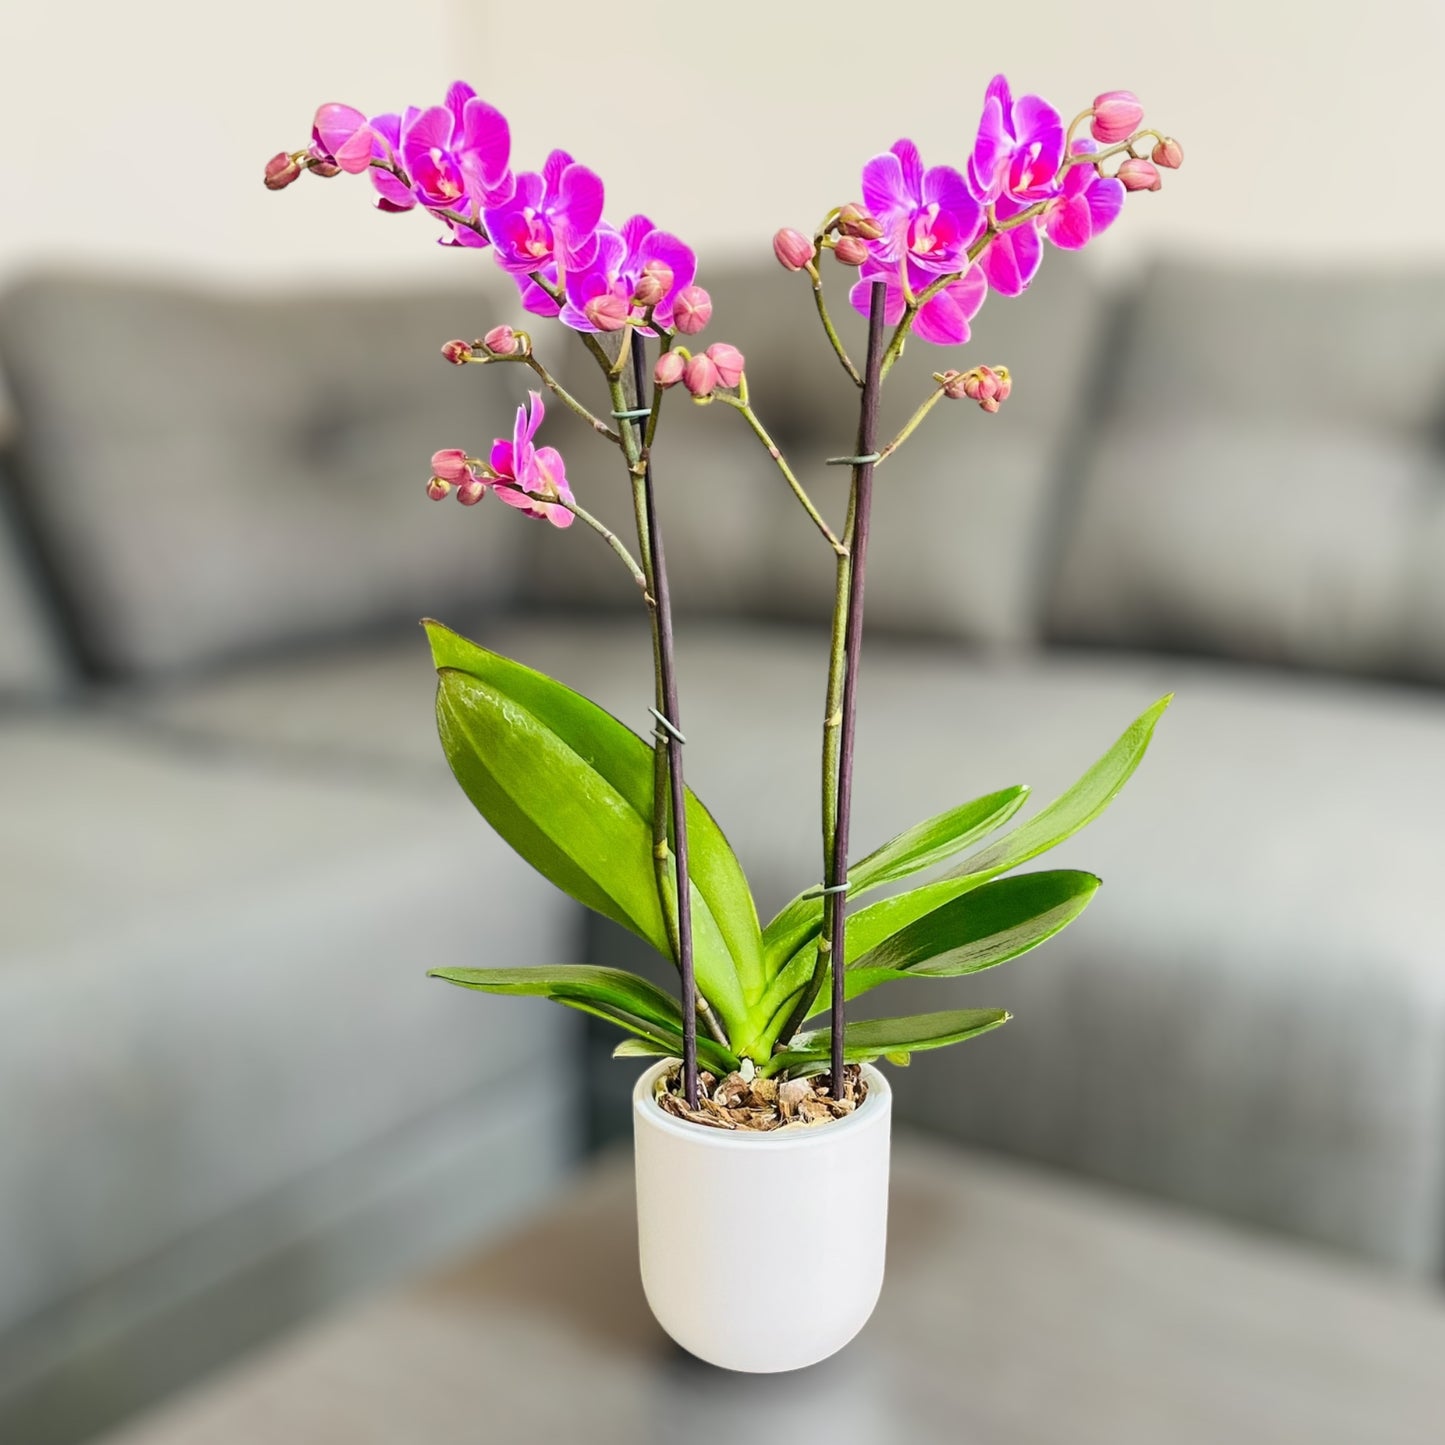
743, 1098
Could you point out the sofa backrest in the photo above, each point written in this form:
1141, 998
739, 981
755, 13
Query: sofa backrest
960, 512
1267, 480
210, 476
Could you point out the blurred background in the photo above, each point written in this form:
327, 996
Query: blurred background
229, 846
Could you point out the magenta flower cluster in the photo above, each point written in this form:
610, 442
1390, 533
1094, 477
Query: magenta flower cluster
939, 237
1015, 191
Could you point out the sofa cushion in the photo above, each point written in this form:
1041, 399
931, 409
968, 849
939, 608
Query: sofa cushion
212, 992
32, 661
737, 541
240, 472
1268, 480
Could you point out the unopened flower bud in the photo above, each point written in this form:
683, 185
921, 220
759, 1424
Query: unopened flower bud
1117, 114
692, 310
988, 386
850, 250
457, 352
607, 312
669, 369
324, 169
729, 362
1169, 154
437, 489
701, 375
281, 170
792, 248
471, 491
1139, 175
450, 464
855, 221
502, 341
654, 284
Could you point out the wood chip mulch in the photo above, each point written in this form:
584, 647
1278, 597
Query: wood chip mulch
761, 1105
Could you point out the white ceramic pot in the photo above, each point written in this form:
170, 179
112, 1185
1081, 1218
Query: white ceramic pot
762, 1252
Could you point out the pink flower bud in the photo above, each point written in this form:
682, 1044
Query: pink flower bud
669, 369
855, 221
324, 169
471, 491
692, 310
1117, 114
988, 403
954, 385
1005, 382
457, 352
701, 375
1169, 154
988, 386
450, 464
850, 250
654, 284
729, 362
792, 248
1139, 175
502, 341
281, 170
607, 312
437, 489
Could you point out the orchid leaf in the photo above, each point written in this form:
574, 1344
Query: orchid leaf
1077, 806
912, 851
870, 1039
613, 994
570, 788
984, 928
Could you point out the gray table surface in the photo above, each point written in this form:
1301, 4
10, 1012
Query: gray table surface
1018, 1307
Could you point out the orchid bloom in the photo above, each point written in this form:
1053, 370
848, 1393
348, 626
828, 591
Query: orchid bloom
341, 134
1086, 206
942, 319
518, 467
616, 267
928, 216
1019, 149
457, 154
548, 215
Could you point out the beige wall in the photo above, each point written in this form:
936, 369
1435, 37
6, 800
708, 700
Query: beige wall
144, 124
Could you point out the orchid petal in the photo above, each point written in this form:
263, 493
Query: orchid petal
1011, 260
912, 165
487, 137
884, 194
501, 460
580, 198
458, 94
1106, 200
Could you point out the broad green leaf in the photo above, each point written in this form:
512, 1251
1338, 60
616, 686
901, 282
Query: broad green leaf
641, 1049
570, 788
910, 852
870, 1039
613, 994
985, 927
1071, 810
1074, 808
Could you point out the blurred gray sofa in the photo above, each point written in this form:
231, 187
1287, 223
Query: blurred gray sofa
230, 846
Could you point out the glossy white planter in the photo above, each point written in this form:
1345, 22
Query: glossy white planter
746, 1261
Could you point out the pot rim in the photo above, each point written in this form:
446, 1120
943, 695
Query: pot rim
879, 1092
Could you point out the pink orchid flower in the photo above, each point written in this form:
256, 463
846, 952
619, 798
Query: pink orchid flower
1020, 146
1087, 205
616, 266
928, 216
457, 154
551, 215
520, 467
342, 135
943, 319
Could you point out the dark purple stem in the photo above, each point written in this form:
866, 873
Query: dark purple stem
853, 645
667, 668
